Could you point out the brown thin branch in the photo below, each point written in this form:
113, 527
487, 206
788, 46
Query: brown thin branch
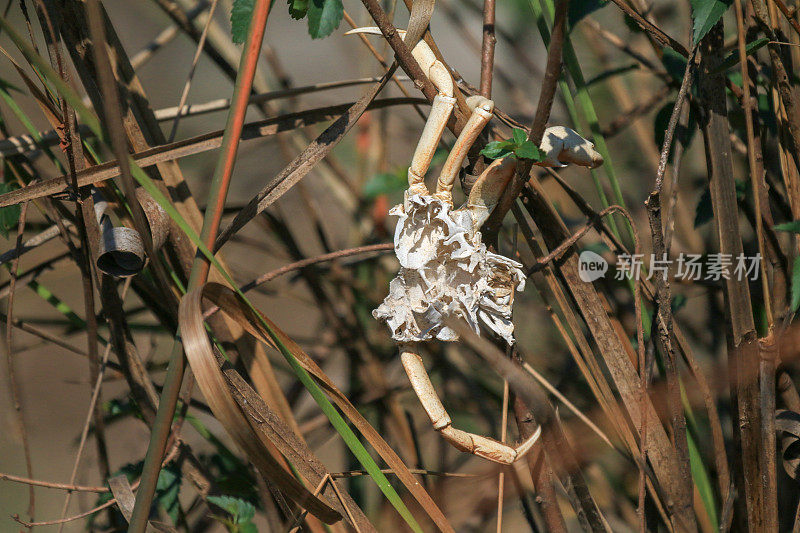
14, 391
487, 48
52, 484
546, 96
664, 302
651, 29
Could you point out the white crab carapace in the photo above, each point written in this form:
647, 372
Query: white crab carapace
445, 270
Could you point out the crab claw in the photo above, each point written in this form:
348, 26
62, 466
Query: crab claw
372, 30
562, 145
488, 189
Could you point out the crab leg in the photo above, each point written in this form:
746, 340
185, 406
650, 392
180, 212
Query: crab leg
481, 114
467, 442
441, 108
488, 188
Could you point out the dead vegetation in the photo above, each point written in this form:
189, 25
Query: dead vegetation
232, 373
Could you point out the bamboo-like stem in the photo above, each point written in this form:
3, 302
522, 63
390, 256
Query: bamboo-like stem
220, 182
743, 349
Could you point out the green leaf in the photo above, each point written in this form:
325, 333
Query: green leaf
703, 212
324, 17
241, 511
528, 150
9, 216
674, 63
497, 149
226, 503
248, 527
705, 14
792, 227
733, 58
168, 489
245, 511
519, 136
298, 8
579, 9
795, 285
385, 183
241, 14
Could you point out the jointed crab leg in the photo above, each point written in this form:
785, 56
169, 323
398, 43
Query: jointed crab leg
488, 188
441, 108
481, 115
467, 442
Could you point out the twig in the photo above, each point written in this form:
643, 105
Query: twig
546, 96
664, 322
92, 411
35, 241
298, 168
52, 484
651, 29
487, 49
167, 34
14, 392
90, 512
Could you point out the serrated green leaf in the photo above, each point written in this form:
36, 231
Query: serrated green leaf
795, 285
519, 136
248, 527
792, 227
9, 216
246, 511
228, 504
497, 149
298, 8
241, 14
324, 17
241, 511
528, 150
705, 14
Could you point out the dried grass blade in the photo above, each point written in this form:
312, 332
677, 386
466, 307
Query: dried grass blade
262, 328
212, 382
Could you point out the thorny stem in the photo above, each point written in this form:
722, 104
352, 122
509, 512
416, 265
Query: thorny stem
220, 182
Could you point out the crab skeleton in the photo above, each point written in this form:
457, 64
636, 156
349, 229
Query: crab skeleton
445, 269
